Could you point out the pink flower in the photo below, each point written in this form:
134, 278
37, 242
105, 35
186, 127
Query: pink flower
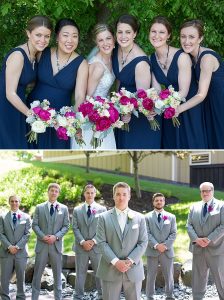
165, 218
44, 115
62, 133
169, 113
93, 211
103, 124
114, 114
148, 103
57, 207
70, 114
37, 109
19, 216
124, 100
134, 102
98, 98
164, 94
141, 93
86, 108
210, 208
94, 116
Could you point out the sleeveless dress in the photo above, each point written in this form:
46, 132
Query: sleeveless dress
58, 90
102, 90
214, 103
12, 122
140, 135
191, 134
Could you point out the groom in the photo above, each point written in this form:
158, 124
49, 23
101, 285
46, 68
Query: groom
50, 223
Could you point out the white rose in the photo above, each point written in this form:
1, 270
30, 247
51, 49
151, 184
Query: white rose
35, 103
61, 121
52, 112
159, 104
38, 127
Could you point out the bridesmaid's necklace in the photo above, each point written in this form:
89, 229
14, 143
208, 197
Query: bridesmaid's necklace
124, 59
57, 61
164, 65
31, 61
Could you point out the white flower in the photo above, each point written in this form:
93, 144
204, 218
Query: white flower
30, 119
130, 215
52, 112
38, 127
159, 104
35, 103
61, 121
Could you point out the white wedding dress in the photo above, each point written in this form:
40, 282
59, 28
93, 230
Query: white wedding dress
102, 90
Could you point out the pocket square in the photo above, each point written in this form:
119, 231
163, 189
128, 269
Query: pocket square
166, 222
214, 212
97, 215
22, 222
135, 226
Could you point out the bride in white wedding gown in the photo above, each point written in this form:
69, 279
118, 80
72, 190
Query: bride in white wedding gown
100, 80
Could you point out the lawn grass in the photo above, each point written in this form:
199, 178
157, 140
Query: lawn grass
185, 194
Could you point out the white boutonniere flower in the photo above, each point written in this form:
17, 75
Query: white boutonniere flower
130, 215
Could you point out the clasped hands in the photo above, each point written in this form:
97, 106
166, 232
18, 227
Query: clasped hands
13, 249
88, 245
123, 265
202, 242
161, 248
49, 239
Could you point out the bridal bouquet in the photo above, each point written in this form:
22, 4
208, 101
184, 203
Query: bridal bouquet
101, 116
126, 104
169, 101
69, 124
147, 105
41, 116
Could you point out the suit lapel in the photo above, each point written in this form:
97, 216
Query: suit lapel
127, 227
83, 209
46, 211
115, 223
9, 220
156, 220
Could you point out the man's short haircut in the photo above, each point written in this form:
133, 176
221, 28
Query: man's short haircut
89, 186
54, 185
14, 195
157, 195
207, 183
122, 185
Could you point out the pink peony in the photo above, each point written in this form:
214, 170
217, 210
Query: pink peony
169, 113
70, 114
62, 133
164, 94
134, 102
86, 108
44, 115
148, 104
37, 109
141, 93
114, 114
94, 116
103, 124
124, 100
98, 98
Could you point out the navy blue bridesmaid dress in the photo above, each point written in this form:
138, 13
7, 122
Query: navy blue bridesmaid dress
140, 135
13, 122
191, 134
214, 103
58, 90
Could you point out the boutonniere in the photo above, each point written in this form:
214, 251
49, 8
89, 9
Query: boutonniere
93, 211
130, 215
19, 216
165, 218
57, 208
210, 208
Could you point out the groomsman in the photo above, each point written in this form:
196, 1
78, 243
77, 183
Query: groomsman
205, 227
15, 229
50, 223
162, 230
122, 239
84, 223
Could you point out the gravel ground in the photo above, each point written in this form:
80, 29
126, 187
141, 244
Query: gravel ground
181, 292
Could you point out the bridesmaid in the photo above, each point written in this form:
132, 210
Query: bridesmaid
101, 78
61, 71
132, 70
209, 70
18, 70
171, 66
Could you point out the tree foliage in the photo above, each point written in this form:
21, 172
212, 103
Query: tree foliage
15, 13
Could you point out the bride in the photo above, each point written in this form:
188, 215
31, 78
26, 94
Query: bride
100, 80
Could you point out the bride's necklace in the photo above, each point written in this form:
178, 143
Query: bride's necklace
59, 67
124, 59
164, 65
32, 61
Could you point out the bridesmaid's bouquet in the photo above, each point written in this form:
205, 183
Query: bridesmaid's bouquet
101, 116
147, 105
41, 116
69, 124
169, 101
126, 104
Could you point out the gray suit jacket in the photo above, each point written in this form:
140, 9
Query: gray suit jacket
163, 232
41, 222
112, 243
212, 227
17, 236
84, 228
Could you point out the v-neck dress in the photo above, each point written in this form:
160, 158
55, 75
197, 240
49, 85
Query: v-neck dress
191, 134
140, 135
13, 122
214, 103
58, 90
